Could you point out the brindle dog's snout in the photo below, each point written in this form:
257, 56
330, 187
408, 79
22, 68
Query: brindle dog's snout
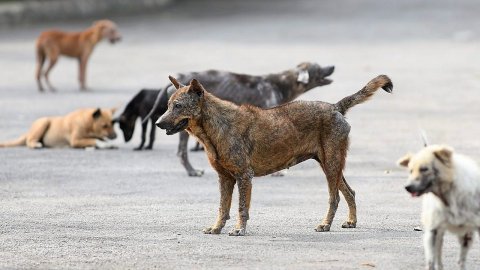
161, 124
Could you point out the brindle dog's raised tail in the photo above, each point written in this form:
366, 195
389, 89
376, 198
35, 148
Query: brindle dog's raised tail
381, 81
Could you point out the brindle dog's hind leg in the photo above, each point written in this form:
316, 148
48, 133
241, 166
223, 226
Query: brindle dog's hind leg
332, 160
226, 184
349, 196
183, 155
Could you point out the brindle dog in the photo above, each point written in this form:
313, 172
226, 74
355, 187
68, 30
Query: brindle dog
245, 141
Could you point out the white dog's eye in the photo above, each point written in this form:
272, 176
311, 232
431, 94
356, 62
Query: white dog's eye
423, 169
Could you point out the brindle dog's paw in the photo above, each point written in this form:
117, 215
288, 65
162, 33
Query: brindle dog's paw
349, 224
196, 173
323, 228
237, 232
212, 230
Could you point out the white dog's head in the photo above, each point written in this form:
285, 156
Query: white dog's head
431, 170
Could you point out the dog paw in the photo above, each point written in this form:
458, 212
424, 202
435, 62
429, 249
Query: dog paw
148, 147
349, 224
137, 149
196, 173
237, 232
323, 228
212, 230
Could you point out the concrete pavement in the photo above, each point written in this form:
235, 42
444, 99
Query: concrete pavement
62, 208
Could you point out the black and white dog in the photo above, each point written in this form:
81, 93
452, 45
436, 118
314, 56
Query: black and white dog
262, 91
141, 105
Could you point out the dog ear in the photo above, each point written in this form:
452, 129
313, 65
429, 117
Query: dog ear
175, 83
196, 87
405, 160
444, 154
97, 113
303, 76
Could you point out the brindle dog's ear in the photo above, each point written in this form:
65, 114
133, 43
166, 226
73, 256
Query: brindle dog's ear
444, 154
97, 113
196, 87
405, 160
175, 83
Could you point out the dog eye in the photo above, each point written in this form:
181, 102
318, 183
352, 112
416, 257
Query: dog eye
423, 169
105, 126
178, 105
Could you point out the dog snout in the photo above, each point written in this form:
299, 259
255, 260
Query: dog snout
329, 70
410, 188
161, 124
112, 136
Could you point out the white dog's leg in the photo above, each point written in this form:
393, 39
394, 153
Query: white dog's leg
438, 249
465, 244
429, 239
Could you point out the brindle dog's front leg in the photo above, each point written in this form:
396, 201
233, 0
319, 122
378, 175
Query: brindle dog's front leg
226, 184
244, 192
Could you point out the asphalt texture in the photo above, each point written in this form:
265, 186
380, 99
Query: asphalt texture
125, 209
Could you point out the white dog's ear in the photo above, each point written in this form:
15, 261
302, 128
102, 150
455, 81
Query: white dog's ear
405, 160
444, 154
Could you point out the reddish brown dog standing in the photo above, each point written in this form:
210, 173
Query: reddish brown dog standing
51, 44
245, 141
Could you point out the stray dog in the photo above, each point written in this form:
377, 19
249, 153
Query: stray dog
451, 184
79, 129
51, 44
245, 141
262, 91
140, 106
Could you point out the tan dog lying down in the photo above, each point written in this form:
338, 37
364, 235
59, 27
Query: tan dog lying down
451, 184
51, 44
78, 129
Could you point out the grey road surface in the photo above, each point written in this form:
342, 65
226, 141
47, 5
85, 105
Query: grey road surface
122, 209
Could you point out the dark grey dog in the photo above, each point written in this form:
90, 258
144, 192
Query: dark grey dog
262, 91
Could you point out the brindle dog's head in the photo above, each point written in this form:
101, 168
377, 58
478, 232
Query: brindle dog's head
108, 29
313, 75
430, 170
102, 124
183, 106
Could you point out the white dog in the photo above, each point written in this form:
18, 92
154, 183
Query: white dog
452, 200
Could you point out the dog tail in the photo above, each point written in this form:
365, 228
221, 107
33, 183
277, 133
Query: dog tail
365, 93
18, 142
155, 105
